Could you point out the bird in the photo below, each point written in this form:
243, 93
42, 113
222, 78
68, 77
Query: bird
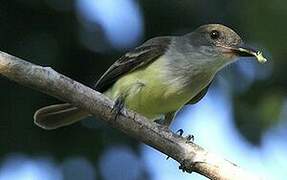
159, 77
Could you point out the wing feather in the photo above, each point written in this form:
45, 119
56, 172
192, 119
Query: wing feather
135, 59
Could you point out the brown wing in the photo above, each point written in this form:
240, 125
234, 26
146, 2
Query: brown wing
139, 57
199, 96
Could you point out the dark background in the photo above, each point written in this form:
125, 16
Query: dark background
62, 35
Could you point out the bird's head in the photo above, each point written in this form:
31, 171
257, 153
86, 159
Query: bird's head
217, 42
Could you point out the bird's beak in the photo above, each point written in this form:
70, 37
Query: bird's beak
244, 51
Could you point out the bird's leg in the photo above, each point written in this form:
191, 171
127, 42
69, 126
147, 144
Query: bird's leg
160, 121
169, 117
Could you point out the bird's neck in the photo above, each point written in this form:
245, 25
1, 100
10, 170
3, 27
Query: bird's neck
190, 68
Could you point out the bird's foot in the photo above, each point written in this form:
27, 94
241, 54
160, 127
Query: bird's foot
159, 121
180, 132
189, 138
118, 106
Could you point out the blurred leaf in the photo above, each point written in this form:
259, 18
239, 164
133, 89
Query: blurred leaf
257, 110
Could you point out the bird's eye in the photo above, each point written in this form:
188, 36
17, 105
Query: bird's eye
214, 34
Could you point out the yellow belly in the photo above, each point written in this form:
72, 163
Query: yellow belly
147, 92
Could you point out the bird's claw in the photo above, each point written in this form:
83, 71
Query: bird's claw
118, 106
180, 132
189, 138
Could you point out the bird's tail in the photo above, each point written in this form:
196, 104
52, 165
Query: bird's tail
58, 115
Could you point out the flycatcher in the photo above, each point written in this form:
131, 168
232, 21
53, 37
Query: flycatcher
162, 75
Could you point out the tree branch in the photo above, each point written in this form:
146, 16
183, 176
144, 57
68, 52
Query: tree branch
192, 157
